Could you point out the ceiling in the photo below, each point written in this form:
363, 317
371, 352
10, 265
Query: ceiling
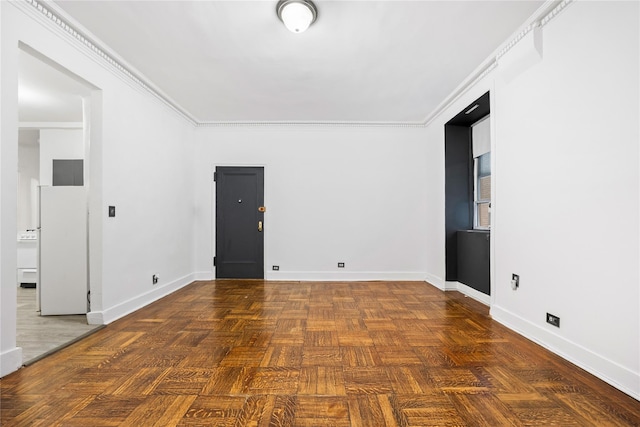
361, 61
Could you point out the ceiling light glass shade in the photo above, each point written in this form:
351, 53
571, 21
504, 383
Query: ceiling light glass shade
297, 15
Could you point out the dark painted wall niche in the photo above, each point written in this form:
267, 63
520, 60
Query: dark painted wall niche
458, 187
459, 198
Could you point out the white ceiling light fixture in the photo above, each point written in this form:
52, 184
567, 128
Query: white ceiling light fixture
297, 15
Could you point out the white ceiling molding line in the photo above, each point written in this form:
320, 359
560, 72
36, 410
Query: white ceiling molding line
554, 12
354, 124
55, 18
50, 125
539, 19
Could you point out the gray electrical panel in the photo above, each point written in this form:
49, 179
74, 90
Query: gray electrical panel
68, 172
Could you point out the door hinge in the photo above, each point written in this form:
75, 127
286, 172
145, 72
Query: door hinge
214, 261
215, 176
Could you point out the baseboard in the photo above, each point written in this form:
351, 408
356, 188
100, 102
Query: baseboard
204, 276
10, 361
472, 293
451, 286
95, 318
127, 307
343, 276
607, 370
435, 281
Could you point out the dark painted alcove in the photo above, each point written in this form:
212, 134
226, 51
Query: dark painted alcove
459, 179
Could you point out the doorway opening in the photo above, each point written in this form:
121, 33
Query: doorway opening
52, 206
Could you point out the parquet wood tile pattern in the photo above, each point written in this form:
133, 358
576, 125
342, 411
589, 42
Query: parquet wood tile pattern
254, 353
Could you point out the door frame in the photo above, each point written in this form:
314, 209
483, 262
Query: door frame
214, 216
11, 355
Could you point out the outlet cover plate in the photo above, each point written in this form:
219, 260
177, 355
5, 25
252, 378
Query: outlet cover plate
553, 320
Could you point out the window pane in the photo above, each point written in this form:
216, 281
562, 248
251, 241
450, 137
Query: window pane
483, 215
484, 192
484, 165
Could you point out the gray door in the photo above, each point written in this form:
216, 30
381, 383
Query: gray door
239, 222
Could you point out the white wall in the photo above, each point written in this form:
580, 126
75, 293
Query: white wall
58, 144
140, 157
354, 195
577, 255
28, 179
148, 178
565, 206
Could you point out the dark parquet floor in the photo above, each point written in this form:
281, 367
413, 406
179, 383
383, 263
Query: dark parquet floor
254, 353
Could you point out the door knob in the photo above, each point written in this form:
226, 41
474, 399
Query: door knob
260, 226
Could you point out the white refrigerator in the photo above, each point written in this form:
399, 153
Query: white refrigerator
62, 252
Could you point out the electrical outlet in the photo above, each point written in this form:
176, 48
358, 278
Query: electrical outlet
553, 320
275, 268
341, 265
154, 279
515, 281
112, 211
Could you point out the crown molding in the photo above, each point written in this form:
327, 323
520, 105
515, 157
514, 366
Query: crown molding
554, 12
335, 124
57, 18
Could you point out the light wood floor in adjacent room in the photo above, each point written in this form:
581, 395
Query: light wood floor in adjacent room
39, 335
253, 353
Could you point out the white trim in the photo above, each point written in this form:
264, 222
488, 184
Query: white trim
554, 12
95, 318
476, 295
450, 286
338, 124
435, 281
50, 125
10, 361
467, 291
127, 307
277, 276
609, 371
494, 186
343, 276
204, 276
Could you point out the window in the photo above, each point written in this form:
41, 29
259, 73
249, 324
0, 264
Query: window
482, 191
